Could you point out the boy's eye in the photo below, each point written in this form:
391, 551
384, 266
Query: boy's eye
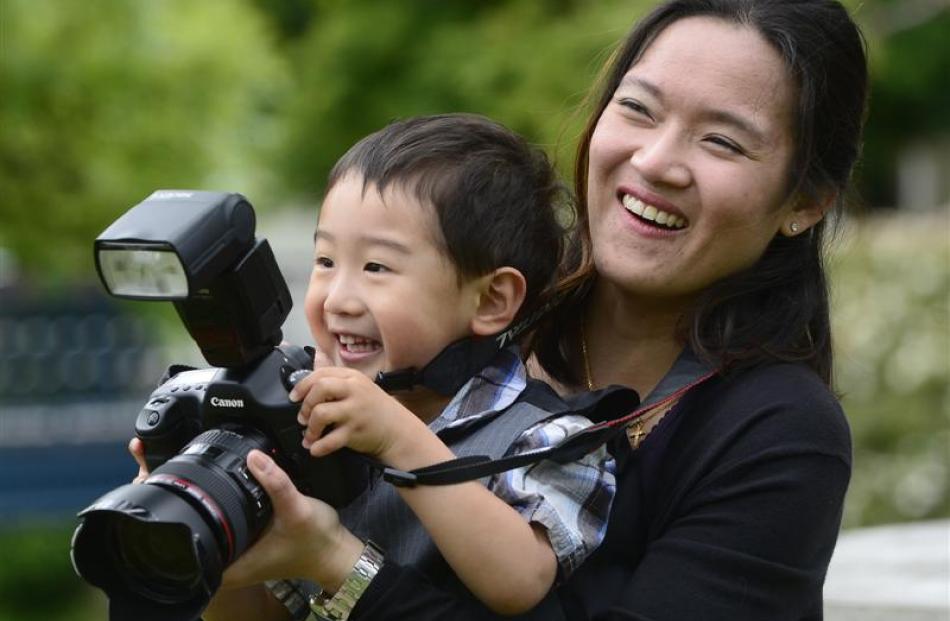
375, 267
325, 262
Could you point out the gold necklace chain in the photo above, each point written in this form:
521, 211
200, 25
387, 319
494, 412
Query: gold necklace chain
587, 374
635, 430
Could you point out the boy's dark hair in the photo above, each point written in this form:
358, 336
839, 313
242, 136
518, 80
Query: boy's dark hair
496, 196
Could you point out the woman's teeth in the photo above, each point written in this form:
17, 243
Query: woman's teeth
651, 213
357, 344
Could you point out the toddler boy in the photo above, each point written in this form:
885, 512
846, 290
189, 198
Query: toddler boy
433, 231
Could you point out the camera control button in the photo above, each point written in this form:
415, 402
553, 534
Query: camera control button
296, 376
152, 419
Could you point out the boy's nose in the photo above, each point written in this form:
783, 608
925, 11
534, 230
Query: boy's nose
342, 299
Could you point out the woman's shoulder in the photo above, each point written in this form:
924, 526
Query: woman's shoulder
781, 405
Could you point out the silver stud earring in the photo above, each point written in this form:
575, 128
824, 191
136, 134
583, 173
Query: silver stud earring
793, 227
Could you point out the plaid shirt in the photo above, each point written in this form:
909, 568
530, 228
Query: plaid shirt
571, 501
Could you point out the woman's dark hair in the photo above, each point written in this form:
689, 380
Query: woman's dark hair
778, 308
496, 196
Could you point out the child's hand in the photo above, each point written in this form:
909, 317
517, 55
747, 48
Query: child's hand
354, 412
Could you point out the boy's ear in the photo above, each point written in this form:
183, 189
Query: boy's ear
500, 295
806, 213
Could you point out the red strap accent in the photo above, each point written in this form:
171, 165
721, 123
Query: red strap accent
640, 411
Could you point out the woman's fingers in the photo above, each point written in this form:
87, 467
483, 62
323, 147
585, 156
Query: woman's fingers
283, 495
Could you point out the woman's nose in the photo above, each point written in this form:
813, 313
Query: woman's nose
660, 159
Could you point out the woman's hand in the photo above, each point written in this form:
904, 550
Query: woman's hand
304, 539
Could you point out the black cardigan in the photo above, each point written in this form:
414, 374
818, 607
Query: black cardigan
729, 510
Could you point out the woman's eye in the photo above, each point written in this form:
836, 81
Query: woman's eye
727, 144
375, 267
635, 106
324, 262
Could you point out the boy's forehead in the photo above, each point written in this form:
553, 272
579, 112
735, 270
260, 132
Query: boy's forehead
399, 202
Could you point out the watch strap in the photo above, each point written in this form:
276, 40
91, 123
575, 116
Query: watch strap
339, 606
295, 595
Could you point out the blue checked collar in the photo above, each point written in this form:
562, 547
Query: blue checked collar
488, 393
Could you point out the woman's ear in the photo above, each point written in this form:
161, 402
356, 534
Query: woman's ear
500, 296
806, 213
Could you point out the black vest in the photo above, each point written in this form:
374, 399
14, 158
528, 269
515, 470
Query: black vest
381, 515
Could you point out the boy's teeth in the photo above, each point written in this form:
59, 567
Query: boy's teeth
651, 213
357, 343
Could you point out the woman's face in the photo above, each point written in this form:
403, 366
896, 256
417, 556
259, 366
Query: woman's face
689, 162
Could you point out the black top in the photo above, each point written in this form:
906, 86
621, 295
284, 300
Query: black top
729, 510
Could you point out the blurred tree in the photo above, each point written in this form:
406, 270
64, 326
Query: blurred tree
291, 18
104, 101
367, 62
909, 45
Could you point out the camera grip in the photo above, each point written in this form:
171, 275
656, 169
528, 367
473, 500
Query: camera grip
164, 427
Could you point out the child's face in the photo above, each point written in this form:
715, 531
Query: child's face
383, 296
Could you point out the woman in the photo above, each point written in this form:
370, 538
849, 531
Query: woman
722, 137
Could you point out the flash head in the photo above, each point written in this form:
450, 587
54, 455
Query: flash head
198, 250
174, 243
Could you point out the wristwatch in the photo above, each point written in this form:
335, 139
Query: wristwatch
339, 606
295, 596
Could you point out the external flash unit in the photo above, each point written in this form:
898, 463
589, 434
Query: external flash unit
198, 250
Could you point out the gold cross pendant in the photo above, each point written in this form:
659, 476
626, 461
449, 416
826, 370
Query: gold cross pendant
636, 433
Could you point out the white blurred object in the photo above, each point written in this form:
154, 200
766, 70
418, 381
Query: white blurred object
897, 572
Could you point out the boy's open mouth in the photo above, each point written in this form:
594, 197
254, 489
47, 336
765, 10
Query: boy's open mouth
357, 344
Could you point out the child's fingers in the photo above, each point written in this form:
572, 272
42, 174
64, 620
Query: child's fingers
137, 449
320, 359
333, 441
321, 418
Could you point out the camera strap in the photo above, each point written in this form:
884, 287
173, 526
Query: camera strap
687, 373
459, 361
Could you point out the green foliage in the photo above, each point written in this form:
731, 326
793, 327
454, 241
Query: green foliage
892, 326
37, 582
104, 101
910, 98
366, 63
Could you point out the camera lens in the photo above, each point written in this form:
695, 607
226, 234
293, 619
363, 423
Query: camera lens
156, 558
167, 541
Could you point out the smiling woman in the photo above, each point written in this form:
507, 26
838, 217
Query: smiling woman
702, 140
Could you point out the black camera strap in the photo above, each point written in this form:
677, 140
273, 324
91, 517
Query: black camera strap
459, 361
687, 372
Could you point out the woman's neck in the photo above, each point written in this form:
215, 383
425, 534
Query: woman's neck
630, 341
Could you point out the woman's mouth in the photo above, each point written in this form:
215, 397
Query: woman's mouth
653, 215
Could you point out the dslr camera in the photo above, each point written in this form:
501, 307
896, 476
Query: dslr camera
158, 549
